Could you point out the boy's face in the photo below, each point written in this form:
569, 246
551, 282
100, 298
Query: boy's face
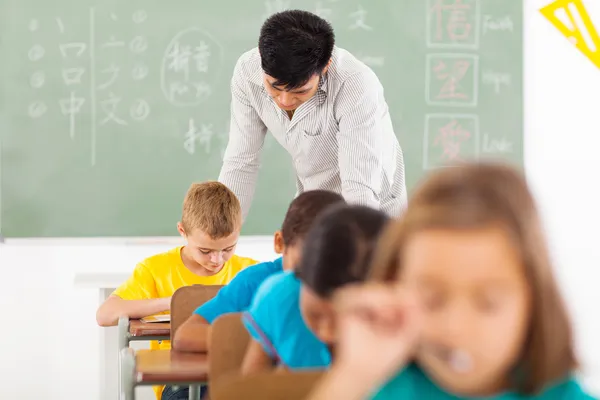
209, 253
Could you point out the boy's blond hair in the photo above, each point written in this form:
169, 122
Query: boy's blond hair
212, 208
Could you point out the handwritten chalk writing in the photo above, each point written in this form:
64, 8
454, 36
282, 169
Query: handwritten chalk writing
201, 56
496, 146
139, 72
140, 16
36, 53
140, 110
190, 67
34, 25
322, 11
453, 23
496, 79
451, 79
71, 107
504, 23
72, 76
109, 106
60, 25
37, 79
359, 16
138, 44
450, 138
275, 6
202, 137
113, 42
37, 109
77, 48
113, 72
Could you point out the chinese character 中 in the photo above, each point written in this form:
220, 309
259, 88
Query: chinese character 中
71, 107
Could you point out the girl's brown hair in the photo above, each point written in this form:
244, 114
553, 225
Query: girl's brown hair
476, 195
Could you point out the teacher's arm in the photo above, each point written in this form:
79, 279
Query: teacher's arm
246, 138
360, 109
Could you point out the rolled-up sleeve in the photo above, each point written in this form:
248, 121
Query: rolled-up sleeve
360, 111
247, 132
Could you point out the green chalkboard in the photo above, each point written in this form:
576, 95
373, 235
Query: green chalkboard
110, 109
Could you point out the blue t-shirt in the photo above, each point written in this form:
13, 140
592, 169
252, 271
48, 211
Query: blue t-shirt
275, 317
237, 295
413, 383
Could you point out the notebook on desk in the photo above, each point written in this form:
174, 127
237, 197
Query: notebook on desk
157, 318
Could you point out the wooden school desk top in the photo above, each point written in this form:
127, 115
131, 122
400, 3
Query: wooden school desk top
170, 366
138, 328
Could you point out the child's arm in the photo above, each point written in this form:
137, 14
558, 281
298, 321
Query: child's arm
378, 328
115, 307
136, 298
193, 335
256, 359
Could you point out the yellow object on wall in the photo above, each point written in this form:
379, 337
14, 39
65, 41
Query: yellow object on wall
572, 20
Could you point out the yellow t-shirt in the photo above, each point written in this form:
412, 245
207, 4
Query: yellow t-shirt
161, 275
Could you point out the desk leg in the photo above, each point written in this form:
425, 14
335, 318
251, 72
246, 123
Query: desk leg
194, 392
109, 359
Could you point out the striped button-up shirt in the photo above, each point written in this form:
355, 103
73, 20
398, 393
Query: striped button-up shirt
340, 140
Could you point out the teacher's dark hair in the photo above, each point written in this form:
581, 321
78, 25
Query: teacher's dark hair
295, 45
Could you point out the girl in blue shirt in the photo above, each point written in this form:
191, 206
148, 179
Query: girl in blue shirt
291, 319
462, 304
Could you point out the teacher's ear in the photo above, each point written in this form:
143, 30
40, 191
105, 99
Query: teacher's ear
326, 67
278, 243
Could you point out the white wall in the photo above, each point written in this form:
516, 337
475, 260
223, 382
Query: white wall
47, 319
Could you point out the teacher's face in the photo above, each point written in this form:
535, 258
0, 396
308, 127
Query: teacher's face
289, 100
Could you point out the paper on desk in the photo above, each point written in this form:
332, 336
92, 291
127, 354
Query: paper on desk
157, 318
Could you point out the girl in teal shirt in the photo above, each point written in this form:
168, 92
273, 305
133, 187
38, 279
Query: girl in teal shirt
461, 304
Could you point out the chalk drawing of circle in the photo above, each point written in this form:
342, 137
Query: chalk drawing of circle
138, 44
37, 109
140, 110
215, 63
37, 79
139, 72
34, 25
139, 16
36, 53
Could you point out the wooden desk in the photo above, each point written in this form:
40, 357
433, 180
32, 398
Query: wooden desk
170, 367
162, 367
145, 330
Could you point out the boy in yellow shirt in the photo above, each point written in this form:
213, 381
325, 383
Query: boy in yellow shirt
210, 224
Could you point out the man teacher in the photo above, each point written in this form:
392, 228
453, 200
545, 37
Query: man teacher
324, 106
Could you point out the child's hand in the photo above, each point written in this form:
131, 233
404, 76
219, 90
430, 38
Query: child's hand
378, 329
